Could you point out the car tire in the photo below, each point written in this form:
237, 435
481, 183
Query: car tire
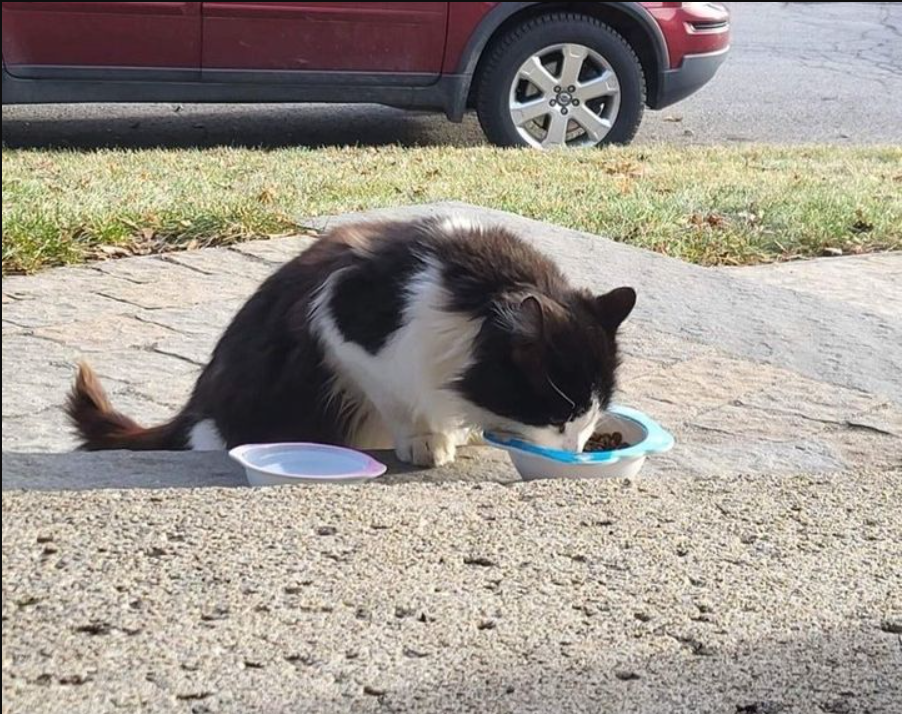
506, 94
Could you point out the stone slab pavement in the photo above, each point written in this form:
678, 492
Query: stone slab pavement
871, 283
752, 571
751, 378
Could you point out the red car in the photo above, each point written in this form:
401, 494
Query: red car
539, 74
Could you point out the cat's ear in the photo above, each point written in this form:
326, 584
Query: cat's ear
614, 307
530, 319
524, 317
529, 326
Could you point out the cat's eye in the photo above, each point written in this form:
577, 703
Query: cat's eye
562, 428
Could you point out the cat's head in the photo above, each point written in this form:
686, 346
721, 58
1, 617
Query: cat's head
545, 369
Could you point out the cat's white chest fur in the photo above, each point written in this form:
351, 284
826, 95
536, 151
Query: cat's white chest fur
401, 392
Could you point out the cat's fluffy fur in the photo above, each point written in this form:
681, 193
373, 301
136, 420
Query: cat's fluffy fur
404, 334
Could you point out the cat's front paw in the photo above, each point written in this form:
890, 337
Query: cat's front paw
427, 449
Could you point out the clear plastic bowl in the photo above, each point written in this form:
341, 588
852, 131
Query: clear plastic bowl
280, 464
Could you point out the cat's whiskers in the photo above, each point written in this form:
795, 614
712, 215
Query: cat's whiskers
561, 394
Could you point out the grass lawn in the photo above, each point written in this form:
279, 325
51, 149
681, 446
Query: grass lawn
713, 206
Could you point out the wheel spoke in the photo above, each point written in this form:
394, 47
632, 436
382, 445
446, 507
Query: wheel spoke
557, 131
534, 71
605, 85
525, 112
574, 56
596, 127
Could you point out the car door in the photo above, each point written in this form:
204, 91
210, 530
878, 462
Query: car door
318, 42
104, 40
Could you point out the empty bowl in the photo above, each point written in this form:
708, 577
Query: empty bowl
645, 436
280, 464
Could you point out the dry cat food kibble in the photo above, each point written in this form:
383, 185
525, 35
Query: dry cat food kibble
607, 442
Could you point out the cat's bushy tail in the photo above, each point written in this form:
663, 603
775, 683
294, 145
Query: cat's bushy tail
101, 427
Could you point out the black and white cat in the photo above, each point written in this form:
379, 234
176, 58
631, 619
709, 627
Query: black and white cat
403, 334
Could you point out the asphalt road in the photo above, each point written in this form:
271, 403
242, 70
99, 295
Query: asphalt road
798, 73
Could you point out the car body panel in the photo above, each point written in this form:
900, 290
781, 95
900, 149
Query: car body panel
415, 54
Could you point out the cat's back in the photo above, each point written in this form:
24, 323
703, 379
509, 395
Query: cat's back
468, 246
476, 261
481, 261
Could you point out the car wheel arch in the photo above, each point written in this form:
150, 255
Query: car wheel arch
629, 19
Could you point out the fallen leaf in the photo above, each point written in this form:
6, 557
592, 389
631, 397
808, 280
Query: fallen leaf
113, 251
267, 195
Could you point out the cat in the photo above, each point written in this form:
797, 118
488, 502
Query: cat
411, 335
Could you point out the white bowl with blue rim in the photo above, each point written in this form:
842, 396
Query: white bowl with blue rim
645, 436
287, 464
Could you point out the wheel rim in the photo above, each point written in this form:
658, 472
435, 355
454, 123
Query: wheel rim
564, 95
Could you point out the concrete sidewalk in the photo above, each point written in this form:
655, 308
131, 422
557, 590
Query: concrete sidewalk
679, 595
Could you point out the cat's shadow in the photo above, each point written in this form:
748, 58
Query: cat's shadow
83, 470
474, 464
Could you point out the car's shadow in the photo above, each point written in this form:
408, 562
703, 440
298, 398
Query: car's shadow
195, 126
